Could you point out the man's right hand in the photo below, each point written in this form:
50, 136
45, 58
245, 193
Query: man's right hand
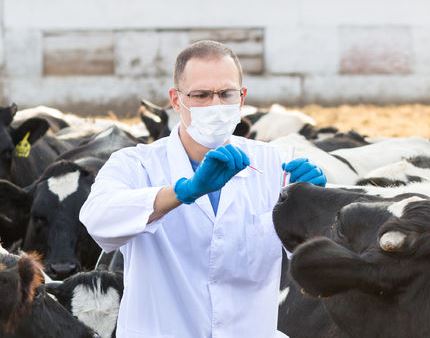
217, 168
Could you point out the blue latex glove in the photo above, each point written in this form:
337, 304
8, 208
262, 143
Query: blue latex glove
217, 168
302, 170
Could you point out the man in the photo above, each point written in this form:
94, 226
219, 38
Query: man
192, 218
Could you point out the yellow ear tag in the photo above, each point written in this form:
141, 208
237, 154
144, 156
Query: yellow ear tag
23, 148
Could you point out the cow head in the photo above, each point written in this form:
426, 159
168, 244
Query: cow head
26, 133
54, 229
19, 279
26, 309
155, 119
92, 297
15, 203
368, 261
305, 211
46, 216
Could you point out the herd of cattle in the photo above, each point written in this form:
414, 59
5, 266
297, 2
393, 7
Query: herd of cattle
360, 246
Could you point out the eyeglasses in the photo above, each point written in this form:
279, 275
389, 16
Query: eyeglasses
203, 97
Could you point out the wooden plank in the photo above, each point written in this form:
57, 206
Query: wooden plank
78, 53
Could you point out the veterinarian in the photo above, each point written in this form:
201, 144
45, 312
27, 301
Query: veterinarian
192, 213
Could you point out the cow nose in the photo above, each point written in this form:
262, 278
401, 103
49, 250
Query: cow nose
62, 270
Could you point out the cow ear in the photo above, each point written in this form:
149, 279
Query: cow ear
7, 114
15, 204
30, 130
30, 272
323, 268
154, 117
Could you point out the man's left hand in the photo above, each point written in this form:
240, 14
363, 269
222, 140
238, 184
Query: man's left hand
302, 170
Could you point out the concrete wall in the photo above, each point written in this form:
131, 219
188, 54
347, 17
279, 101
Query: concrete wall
90, 56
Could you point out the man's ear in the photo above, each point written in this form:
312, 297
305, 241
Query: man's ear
174, 99
323, 268
242, 98
36, 127
15, 205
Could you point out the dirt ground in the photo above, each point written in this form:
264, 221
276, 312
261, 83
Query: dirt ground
402, 120
370, 120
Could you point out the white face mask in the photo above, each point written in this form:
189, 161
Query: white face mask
212, 126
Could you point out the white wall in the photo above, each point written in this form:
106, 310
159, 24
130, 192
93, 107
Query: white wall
89, 56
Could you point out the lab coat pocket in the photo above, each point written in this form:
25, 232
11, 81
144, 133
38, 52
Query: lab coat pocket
263, 246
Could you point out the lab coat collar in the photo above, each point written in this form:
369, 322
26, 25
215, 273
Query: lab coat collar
180, 166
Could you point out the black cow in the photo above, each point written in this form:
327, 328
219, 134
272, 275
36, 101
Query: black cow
92, 297
360, 262
26, 310
25, 150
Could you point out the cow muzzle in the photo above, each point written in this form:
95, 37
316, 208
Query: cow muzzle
61, 270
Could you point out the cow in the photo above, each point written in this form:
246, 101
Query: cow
25, 149
414, 169
45, 216
26, 309
359, 264
348, 166
339, 140
59, 121
370, 157
46, 212
335, 169
278, 122
92, 297
102, 144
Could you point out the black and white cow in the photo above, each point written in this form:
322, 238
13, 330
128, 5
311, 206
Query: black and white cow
25, 149
26, 310
278, 122
47, 212
414, 169
93, 298
348, 166
45, 216
360, 262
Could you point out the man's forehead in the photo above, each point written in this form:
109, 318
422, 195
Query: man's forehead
211, 73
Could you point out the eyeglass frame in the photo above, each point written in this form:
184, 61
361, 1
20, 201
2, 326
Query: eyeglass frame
213, 92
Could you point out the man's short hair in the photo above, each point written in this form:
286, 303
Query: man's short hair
202, 50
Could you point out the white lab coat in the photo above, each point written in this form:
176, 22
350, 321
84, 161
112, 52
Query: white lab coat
190, 274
